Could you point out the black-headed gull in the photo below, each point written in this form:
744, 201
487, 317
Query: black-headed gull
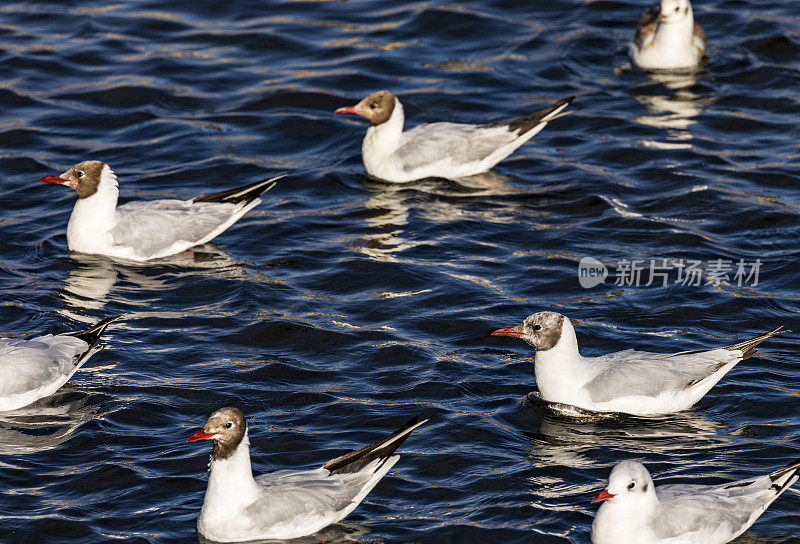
33, 369
439, 150
287, 503
149, 229
629, 381
635, 511
667, 38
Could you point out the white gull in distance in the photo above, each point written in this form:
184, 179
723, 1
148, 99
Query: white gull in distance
632, 382
283, 504
635, 511
440, 150
668, 38
33, 369
149, 229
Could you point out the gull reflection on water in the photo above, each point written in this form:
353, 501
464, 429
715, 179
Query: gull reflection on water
92, 278
46, 423
567, 439
676, 111
389, 214
392, 203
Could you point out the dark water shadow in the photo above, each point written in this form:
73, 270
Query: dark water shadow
338, 533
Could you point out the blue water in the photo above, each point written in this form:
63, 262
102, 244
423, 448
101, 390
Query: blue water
342, 306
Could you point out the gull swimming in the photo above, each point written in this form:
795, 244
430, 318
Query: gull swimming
668, 38
36, 368
147, 229
635, 511
441, 150
629, 381
286, 503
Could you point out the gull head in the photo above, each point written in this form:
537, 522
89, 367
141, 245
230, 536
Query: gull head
629, 483
674, 11
377, 108
541, 330
85, 177
225, 428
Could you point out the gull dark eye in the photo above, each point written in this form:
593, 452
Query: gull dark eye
677, 9
537, 327
229, 424
79, 173
373, 106
631, 486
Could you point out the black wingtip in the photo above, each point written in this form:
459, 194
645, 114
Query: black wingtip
568, 99
521, 125
788, 472
794, 465
748, 347
244, 194
93, 334
382, 449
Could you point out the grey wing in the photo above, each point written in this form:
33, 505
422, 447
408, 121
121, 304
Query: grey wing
26, 365
631, 372
154, 226
461, 143
292, 497
725, 508
646, 29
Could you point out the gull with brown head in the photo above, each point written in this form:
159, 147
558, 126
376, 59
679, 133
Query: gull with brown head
283, 504
144, 230
439, 150
628, 381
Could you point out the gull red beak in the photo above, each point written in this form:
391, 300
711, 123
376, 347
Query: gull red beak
347, 109
53, 179
200, 435
508, 331
603, 496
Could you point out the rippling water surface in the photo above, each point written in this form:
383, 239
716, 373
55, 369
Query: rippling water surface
342, 305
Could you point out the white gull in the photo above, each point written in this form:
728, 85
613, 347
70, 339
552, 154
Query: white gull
286, 503
149, 229
635, 511
33, 369
442, 150
629, 381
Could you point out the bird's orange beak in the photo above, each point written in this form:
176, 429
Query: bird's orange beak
349, 109
604, 495
508, 331
53, 179
200, 435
